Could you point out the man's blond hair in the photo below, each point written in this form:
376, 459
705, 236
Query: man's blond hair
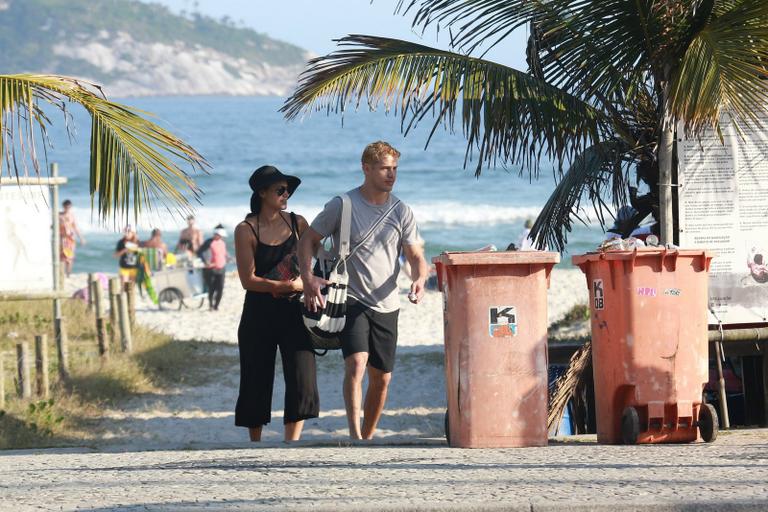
375, 151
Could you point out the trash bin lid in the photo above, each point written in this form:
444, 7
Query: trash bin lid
640, 252
497, 258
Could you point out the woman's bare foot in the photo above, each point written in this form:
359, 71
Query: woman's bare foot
293, 431
255, 434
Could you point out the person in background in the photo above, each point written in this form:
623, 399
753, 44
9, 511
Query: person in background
191, 236
524, 243
216, 268
203, 251
623, 224
127, 253
68, 230
156, 242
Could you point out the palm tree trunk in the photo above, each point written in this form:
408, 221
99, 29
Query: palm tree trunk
666, 141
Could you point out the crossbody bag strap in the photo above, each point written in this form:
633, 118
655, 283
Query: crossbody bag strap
372, 229
346, 226
295, 226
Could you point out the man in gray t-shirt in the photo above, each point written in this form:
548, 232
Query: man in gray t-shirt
369, 338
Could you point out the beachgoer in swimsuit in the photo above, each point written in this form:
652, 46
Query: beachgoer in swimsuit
161, 249
189, 237
68, 230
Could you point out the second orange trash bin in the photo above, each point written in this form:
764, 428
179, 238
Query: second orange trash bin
495, 311
649, 344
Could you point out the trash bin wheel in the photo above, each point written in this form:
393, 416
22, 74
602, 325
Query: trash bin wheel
630, 426
708, 423
447, 428
170, 298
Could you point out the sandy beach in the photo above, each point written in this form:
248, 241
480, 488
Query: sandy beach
419, 325
202, 415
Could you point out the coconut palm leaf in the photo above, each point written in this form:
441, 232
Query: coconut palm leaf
476, 23
606, 34
600, 171
505, 114
724, 68
134, 162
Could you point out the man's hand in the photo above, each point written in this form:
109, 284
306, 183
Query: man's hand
417, 291
414, 253
313, 295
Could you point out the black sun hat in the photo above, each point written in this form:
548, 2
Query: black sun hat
266, 175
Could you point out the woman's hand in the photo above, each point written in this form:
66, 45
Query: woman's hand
288, 288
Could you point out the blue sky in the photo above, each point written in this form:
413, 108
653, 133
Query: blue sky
313, 24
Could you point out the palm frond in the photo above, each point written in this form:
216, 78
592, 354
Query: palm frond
505, 114
134, 162
724, 68
600, 171
476, 23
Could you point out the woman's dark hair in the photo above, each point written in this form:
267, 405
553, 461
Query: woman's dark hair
255, 202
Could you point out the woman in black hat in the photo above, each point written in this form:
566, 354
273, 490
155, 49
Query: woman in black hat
265, 246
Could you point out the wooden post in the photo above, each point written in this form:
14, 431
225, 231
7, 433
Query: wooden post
41, 365
101, 329
126, 341
114, 292
58, 319
62, 342
2, 380
130, 290
725, 421
91, 298
22, 361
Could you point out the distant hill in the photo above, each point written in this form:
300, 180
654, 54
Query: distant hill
138, 49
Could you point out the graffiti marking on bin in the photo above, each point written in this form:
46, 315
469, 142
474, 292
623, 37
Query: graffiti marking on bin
598, 292
503, 321
674, 292
645, 291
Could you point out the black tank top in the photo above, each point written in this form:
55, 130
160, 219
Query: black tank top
268, 256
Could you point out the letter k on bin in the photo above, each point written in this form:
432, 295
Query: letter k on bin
503, 321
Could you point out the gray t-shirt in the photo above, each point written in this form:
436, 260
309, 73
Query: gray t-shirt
374, 266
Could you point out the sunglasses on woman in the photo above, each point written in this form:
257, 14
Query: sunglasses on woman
282, 190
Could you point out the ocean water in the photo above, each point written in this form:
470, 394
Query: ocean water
455, 210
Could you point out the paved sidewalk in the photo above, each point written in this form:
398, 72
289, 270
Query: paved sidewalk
731, 474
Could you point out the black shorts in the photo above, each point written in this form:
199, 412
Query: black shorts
370, 331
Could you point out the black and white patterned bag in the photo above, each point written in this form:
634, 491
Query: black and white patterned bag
325, 325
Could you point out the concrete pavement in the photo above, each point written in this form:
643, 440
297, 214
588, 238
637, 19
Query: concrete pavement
574, 475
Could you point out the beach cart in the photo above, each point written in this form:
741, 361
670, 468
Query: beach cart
179, 287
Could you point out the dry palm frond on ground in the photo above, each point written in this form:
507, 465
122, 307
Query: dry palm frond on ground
567, 384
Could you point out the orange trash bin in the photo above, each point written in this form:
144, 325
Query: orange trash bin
650, 351
495, 315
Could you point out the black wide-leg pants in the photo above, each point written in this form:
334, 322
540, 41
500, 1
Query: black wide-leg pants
266, 325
